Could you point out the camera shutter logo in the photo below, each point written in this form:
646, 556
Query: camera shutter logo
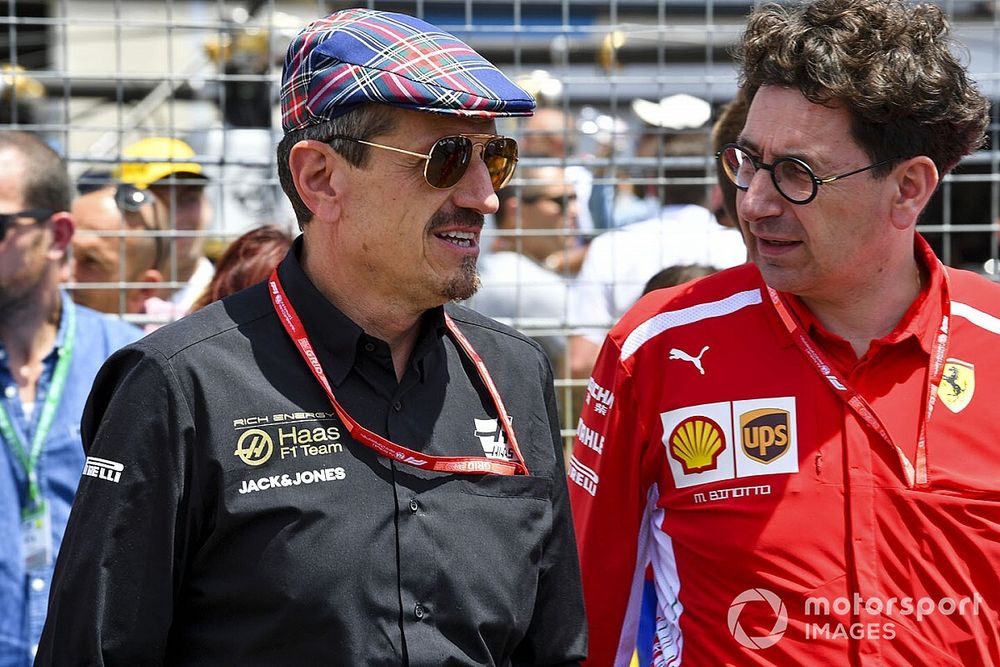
780, 621
254, 447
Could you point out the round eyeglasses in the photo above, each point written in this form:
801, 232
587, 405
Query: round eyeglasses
793, 178
449, 158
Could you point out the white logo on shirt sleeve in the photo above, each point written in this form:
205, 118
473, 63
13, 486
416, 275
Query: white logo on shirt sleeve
103, 469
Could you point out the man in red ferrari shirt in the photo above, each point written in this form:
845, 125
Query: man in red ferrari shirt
804, 448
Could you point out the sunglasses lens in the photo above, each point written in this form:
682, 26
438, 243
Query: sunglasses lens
500, 155
449, 158
130, 198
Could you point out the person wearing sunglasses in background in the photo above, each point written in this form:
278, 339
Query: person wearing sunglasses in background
50, 351
805, 447
535, 220
337, 465
109, 246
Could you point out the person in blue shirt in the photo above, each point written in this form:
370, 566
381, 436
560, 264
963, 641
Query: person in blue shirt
50, 350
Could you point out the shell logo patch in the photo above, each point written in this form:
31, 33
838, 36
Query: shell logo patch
958, 384
696, 443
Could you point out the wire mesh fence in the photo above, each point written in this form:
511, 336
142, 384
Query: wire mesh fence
619, 79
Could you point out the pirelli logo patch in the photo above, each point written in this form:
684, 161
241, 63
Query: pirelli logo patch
715, 442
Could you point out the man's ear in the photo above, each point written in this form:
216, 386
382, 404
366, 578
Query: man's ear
62, 226
318, 173
916, 179
136, 299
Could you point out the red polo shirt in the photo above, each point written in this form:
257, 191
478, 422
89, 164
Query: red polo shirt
780, 526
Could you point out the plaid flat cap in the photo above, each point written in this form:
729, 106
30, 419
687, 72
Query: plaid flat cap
357, 56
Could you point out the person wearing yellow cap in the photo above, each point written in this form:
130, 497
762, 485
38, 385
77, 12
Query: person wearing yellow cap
106, 251
166, 167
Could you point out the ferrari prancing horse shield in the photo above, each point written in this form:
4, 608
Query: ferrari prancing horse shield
957, 384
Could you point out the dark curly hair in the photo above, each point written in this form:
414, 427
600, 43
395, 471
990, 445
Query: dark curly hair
889, 63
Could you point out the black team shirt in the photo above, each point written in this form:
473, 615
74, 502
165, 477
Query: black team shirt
246, 526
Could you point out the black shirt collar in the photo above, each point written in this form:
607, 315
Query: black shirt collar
334, 335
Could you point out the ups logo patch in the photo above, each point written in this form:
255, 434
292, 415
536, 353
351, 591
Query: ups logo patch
764, 434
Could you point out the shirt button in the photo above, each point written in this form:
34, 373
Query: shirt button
413, 505
38, 585
397, 406
10, 391
369, 347
419, 611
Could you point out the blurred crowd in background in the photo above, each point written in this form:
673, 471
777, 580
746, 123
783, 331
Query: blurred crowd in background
166, 114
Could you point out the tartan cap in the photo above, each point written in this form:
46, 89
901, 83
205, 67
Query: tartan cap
356, 56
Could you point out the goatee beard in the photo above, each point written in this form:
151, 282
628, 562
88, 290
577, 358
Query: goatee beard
466, 283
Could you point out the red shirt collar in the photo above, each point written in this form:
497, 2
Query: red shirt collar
920, 321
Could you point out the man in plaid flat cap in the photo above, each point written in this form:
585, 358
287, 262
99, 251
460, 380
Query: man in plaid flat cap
338, 465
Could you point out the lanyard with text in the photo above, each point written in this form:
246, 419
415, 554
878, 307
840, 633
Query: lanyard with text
29, 457
916, 473
473, 465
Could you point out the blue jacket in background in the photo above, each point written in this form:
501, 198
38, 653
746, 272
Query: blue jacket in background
24, 594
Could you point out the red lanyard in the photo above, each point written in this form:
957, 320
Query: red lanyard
472, 465
915, 473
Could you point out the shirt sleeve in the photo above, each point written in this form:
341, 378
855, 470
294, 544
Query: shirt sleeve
608, 499
558, 631
119, 564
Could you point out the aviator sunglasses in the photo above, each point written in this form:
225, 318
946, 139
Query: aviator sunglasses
449, 157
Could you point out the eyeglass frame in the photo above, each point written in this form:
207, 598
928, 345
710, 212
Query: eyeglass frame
148, 198
7, 220
562, 201
759, 164
427, 158
130, 205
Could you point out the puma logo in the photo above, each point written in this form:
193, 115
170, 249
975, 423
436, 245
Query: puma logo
684, 356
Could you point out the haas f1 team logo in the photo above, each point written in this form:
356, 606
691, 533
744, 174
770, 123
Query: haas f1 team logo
493, 439
254, 447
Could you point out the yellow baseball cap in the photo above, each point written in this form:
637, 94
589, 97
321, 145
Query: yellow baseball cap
144, 174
